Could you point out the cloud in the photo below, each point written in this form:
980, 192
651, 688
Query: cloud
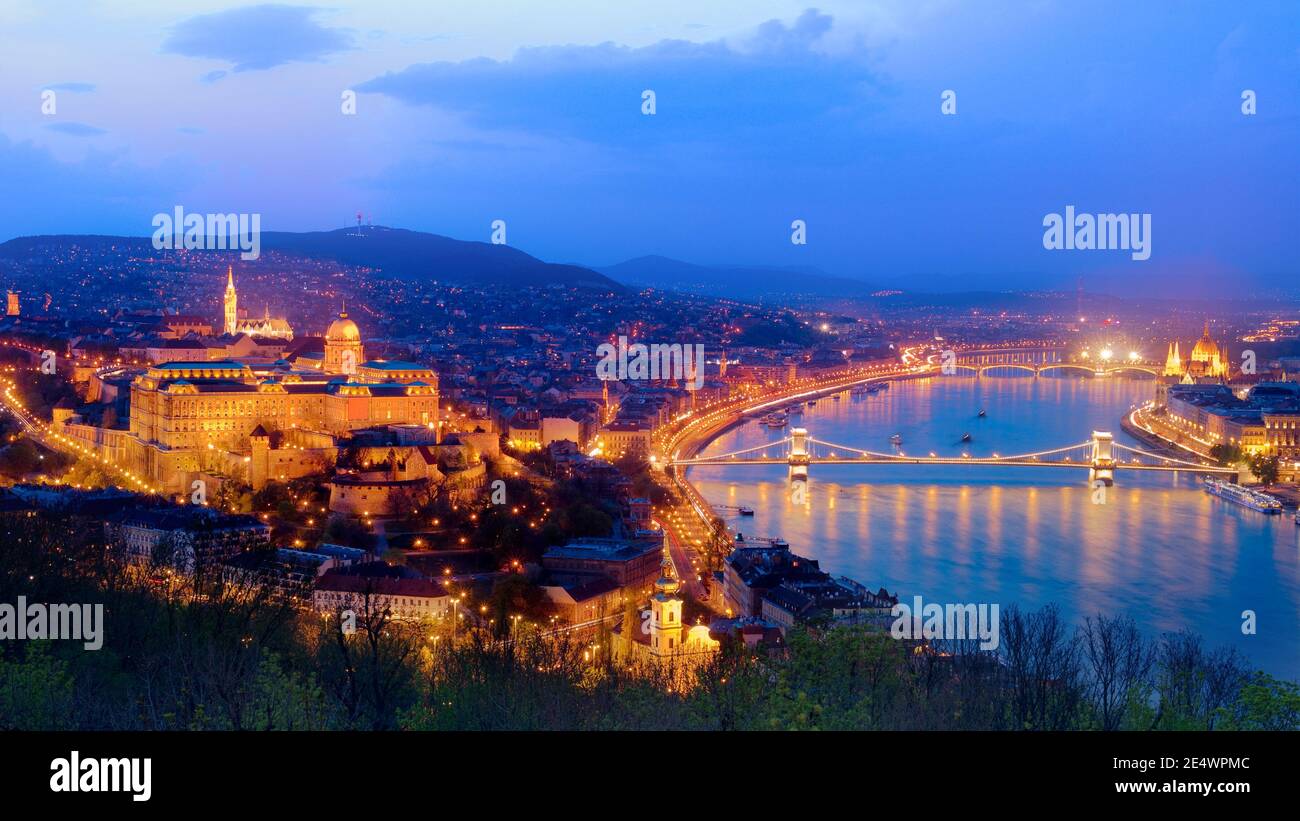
255, 38
75, 88
781, 77
103, 192
76, 129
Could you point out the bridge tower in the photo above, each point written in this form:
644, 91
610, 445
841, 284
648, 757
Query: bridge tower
1103, 458
799, 456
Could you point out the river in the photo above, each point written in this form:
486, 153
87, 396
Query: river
1158, 548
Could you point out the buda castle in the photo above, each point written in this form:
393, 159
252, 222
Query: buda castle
253, 419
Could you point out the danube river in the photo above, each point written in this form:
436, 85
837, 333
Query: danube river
1158, 549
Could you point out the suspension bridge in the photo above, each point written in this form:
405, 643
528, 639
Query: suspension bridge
1100, 455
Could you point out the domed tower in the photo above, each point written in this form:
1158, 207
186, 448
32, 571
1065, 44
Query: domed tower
1211, 360
343, 351
666, 612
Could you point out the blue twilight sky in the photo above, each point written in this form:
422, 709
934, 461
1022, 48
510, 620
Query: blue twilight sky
767, 111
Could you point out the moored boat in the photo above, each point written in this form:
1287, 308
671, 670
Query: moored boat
1244, 496
775, 420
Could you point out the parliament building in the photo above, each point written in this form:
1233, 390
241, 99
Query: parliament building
1206, 364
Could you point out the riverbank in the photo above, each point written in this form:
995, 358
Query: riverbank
1132, 424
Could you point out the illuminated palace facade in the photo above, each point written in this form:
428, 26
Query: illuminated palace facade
255, 422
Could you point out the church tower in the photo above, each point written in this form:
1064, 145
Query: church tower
1173, 362
666, 612
232, 309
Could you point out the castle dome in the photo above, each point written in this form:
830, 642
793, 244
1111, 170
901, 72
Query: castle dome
343, 330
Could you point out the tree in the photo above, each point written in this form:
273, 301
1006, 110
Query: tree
1226, 454
19, 459
349, 532
1264, 703
1193, 683
1043, 663
514, 592
284, 699
369, 671
1264, 468
1117, 666
233, 496
35, 690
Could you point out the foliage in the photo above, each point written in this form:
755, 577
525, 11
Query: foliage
1264, 468
216, 652
1226, 454
35, 691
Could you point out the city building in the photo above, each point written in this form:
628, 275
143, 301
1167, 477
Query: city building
1207, 362
580, 599
369, 589
631, 565
230, 417
288, 573
767, 580
624, 438
266, 326
660, 637
1265, 421
183, 538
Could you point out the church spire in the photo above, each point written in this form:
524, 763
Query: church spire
231, 302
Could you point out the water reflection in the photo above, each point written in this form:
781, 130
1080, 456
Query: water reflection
1158, 549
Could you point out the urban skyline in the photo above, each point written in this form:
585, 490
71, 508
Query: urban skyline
394, 374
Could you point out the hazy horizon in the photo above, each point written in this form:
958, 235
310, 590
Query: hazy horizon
766, 113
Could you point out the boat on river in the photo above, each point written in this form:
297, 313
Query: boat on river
1244, 496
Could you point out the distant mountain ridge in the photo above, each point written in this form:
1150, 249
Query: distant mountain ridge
736, 281
398, 252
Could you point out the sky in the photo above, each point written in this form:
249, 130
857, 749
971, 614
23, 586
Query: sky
766, 112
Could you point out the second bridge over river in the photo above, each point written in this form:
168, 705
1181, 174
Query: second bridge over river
1100, 455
